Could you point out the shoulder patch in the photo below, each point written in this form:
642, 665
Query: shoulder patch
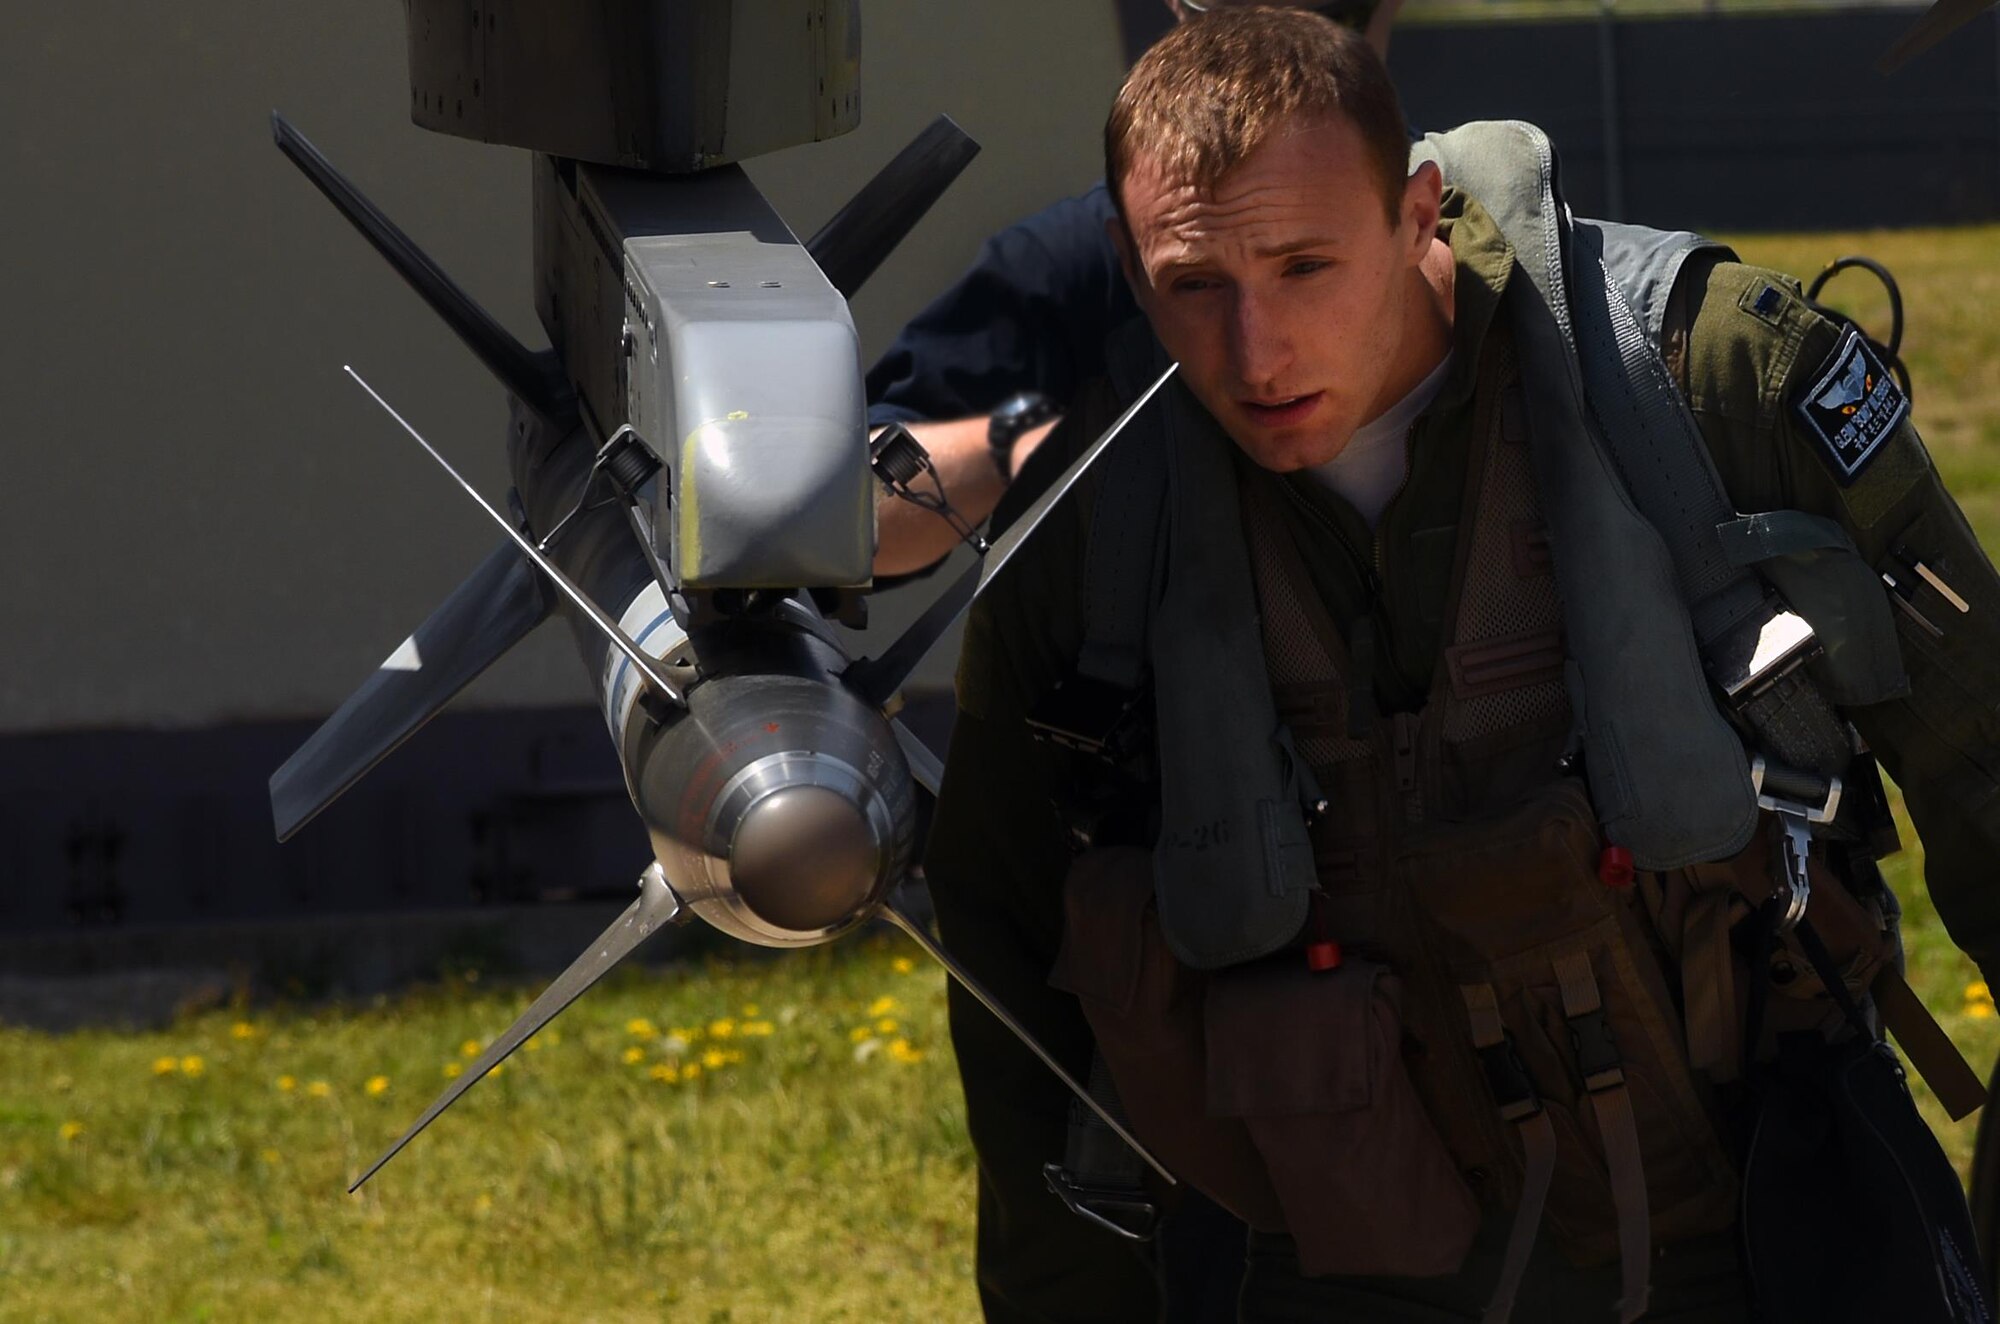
1850, 406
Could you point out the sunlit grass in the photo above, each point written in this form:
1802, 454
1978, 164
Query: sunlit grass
749, 1139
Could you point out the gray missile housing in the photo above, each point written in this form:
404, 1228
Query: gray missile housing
685, 307
662, 85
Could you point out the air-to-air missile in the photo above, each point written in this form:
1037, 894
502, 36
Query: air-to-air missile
693, 478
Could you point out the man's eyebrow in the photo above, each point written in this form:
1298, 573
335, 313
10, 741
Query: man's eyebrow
1296, 246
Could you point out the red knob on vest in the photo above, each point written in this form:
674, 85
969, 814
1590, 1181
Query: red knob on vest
1614, 867
1322, 956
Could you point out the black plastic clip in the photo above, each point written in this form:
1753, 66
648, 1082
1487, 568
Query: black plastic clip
1596, 1050
1507, 1077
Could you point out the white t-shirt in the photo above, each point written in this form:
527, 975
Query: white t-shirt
1372, 467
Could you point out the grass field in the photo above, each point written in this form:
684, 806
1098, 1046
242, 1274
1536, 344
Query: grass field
750, 1139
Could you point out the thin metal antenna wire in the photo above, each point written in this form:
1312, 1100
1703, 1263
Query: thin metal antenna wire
648, 666
1006, 1018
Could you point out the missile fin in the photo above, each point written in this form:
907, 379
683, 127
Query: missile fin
925, 766
665, 686
915, 927
656, 908
537, 378
876, 679
861, 234
494, 609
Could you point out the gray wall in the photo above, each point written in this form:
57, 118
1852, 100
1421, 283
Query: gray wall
201, 521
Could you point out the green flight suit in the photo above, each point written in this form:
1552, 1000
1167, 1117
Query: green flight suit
997, 853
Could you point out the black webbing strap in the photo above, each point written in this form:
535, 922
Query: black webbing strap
1100, 1178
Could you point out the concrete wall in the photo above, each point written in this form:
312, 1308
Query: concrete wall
201, 521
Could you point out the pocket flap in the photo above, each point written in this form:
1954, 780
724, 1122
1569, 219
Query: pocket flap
1285, 1040
1104, 911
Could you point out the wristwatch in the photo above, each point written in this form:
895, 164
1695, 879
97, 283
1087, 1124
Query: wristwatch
1015, 417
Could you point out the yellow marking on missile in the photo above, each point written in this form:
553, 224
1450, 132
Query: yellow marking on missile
738, 415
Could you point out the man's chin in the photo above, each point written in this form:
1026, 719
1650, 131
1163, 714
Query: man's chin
1286, 452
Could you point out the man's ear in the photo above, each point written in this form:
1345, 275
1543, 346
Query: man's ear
1423, 200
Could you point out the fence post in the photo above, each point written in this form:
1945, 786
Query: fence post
1607, 81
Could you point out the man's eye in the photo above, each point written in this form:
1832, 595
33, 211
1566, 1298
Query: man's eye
1306, 266
1193, 284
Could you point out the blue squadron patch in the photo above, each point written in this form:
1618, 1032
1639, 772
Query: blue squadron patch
1851, 407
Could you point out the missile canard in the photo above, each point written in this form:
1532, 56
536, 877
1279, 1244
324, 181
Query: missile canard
669, 86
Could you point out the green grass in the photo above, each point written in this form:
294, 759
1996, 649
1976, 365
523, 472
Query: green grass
818, 1170
795, 1183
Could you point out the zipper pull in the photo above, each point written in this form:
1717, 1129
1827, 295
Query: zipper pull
1403, 742
1361, 677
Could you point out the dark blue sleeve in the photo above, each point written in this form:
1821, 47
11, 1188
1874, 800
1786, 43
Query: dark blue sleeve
1031, 314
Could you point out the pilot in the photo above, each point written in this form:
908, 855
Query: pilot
986, 368
1444, 895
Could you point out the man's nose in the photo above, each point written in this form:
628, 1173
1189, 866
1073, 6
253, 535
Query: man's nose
1260, 348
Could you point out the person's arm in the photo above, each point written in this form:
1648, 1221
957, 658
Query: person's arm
1941, 742
1031, 314
910, 538
996, 861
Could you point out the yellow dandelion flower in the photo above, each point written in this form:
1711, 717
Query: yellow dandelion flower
532, 1046
690, 1071
641, 1028
634, 1055
750, 1011
496, 1069
900, 1051
715, 1059
268, 1155
858, 1033
483, 1204
166, 1066
69, 1131
665, 1073
192, 1065
470, 1048
286, 1084
377, 1086
1979, 1011
319, 1089
721, 1029
732, 1057
452, 1071
756, 1029
887, 1025
902, 965
1977, 991
242, 1030
882, 1006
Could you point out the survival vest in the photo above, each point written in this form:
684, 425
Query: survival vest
1509, 988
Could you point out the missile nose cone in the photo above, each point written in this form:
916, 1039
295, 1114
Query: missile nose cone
805, 857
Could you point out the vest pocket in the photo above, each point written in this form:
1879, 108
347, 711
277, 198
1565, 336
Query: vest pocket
1311, 1064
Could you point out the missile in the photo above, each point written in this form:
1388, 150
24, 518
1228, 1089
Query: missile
781, 798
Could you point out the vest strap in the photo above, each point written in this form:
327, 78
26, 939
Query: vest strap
1708, 983
1928, 1047
1604, 1080
1538, 1146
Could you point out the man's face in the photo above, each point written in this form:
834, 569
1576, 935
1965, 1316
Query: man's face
1286, 294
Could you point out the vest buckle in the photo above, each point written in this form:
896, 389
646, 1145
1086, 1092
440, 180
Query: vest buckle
1802, 802
1123, 1213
